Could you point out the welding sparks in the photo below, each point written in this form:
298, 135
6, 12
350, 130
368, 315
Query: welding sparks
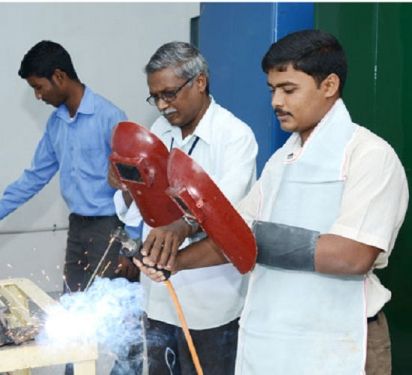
105, 268
66, 285
108, 313
68, 323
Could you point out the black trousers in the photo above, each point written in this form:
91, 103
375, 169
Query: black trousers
87, 241
131, 361
168, 352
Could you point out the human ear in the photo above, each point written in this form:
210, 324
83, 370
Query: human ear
59, 76
201, 82
330, 85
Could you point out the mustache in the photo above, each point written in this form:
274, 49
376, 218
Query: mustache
167, 111
279, 112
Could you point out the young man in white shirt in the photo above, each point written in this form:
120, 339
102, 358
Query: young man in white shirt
325, 213
212, 298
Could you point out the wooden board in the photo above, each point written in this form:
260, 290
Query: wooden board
18, 359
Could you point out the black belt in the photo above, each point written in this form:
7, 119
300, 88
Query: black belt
90, 218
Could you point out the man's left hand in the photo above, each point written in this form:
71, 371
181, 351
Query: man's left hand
114, 181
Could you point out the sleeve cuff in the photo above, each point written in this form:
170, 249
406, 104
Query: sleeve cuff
129, 215
360, 236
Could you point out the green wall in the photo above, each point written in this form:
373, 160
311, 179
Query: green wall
378, 40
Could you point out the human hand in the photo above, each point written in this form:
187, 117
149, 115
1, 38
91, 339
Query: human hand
162, 244
127, 269
114, 181
153, 273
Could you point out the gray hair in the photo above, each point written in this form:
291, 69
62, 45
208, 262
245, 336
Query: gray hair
184, 58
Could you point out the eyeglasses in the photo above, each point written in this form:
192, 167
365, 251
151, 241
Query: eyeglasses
167, 96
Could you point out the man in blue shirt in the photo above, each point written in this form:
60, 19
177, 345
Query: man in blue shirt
77, 143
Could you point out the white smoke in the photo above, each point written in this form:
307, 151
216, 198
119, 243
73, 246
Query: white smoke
108, 313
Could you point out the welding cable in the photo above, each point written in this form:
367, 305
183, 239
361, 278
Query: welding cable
185, 328
130, 248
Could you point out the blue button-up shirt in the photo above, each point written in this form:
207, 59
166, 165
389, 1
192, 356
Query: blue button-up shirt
79, 147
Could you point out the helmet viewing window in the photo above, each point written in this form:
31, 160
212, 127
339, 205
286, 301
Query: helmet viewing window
129, 172
182, 206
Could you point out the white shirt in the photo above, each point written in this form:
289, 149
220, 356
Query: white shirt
373, 207
226, 150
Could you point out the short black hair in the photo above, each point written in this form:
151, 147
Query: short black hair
313, 52
44, 58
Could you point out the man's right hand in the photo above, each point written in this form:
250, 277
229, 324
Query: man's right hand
150, 272
203, 253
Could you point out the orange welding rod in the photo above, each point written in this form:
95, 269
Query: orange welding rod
185, 328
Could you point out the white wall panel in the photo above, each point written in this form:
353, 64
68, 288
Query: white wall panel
109, 44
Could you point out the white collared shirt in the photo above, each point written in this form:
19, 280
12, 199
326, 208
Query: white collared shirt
226, 150
373, 204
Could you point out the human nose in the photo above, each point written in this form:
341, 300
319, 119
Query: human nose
161, 104
277, 99
37, 94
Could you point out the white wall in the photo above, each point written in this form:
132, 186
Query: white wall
109, 44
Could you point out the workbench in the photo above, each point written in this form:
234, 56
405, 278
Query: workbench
19, 359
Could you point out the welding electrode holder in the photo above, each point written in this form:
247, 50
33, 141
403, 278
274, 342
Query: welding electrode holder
130, 248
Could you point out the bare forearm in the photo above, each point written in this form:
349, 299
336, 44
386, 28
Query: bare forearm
296, 248
204, 253
342, 256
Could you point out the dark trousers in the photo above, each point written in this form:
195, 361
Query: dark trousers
378, 358
87, 241
131, 363
168, 352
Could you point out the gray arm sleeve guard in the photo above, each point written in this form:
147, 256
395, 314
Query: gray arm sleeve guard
284, 246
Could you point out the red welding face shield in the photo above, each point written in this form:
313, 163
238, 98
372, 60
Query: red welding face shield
139, 160
198, 196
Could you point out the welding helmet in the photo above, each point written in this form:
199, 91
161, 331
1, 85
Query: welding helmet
139, 160
199, 198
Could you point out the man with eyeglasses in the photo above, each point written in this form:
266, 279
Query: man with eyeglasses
314, 304
167, 96
212, 298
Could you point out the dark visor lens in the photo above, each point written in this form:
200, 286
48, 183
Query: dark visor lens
129, 172
182, 205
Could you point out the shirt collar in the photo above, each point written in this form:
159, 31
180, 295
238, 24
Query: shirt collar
86, 106
203, 129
